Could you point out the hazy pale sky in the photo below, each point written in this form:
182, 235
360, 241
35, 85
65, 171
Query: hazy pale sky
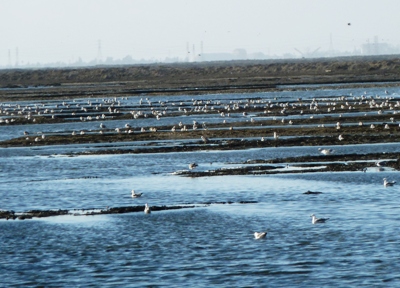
62, 30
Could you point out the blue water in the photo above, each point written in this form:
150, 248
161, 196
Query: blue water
206, 246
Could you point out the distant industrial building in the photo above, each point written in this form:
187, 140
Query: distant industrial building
378, 48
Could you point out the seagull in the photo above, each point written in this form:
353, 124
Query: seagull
316, 220
136, 195
147, 209
260, 235
340, 137
381, 163
325, 151
205, 139
388, 183
193, 165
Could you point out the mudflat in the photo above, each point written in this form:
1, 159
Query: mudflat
60, 85
347, 125
195, 78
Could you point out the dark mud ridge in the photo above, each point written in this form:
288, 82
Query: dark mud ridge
237, 137
306, 164
12, 215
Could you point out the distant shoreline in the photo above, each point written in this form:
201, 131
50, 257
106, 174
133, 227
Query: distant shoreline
195, 78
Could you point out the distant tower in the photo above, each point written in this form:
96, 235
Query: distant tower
201, 51
376, 45
9, 58
16, 57
99, 56
187, 52
331, 46
368, 50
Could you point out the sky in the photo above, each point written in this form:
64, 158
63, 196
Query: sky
46, 31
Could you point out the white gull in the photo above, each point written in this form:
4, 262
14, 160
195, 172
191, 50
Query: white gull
388, 183
147, 209
193, 165
136, 195
316, 220
260, 235
326, 151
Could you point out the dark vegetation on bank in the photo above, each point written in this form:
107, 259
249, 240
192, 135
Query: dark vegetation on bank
194, 78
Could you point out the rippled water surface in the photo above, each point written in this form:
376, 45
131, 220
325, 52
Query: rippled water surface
206, 246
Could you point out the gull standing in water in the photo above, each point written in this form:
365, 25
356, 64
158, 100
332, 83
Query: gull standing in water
325, 151
192, 166
136, 195
316, 220
388, 183
147, 209
260, 235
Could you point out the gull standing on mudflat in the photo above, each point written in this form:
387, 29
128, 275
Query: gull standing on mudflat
380, 163
316, 220
205, 139
147, 209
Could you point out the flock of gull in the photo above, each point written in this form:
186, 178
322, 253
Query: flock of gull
226, 113
257, 235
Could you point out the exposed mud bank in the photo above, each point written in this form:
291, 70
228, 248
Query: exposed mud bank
12, 215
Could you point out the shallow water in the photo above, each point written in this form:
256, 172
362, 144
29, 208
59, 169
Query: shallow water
207, 246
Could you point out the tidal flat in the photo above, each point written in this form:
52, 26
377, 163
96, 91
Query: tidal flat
218, 151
